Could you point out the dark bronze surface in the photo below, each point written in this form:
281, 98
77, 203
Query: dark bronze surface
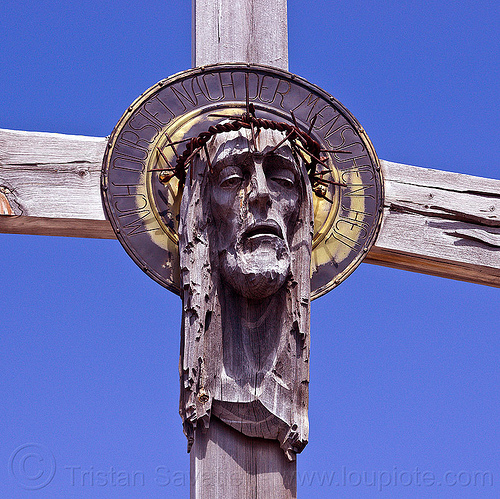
141, 192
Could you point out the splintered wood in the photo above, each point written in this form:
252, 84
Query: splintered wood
440, 223
435, 222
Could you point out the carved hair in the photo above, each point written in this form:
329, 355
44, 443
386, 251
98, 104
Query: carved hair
206, 387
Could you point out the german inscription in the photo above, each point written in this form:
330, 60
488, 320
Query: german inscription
144, 211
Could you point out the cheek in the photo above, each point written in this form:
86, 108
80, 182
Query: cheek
289, 206
225, 208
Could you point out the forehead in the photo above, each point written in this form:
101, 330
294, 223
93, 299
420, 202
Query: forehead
237, 148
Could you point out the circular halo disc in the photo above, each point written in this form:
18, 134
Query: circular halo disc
144, 212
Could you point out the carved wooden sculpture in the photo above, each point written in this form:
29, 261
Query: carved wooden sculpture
245, 233
249, 192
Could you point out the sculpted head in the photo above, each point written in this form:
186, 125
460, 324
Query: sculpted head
255, 194
246, 214
246, 225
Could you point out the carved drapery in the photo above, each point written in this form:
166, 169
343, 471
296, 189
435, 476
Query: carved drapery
245, 359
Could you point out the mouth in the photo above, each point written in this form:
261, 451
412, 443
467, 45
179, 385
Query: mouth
269, 228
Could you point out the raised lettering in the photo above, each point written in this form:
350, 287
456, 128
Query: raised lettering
351, 220
183, 96
310, 102
253, 79
158, 111
128, 204
130, 149
128, 188
127, 163
350, 243
227, 84
322, 121
359, 190
264, 87
135, 139
357, 170
142, 123
138, 225
211, 95
334, 131
349, 227
195, 84
277, 92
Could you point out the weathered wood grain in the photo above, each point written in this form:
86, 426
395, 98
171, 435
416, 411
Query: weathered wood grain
435, 222
259, 36
50, 182
246, 293
440, 223
51, 175
225, 463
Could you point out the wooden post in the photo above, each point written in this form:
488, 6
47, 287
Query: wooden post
224, 462
227, 464
252, 31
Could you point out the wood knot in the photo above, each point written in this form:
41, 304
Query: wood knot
203, 396
5, 208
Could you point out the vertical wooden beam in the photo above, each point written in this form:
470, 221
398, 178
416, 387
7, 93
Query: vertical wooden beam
225, 463
252, 31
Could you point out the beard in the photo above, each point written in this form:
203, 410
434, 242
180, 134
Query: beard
256, 269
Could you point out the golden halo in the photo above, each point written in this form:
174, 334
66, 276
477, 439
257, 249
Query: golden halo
142, 197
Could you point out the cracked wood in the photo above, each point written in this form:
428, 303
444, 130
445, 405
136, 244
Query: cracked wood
435, 222
50, 182
260, 36
440, 223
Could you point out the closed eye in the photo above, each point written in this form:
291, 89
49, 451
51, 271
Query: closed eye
283, 181
231, 182
230, 177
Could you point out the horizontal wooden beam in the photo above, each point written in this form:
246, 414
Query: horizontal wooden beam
51, 175
439, 223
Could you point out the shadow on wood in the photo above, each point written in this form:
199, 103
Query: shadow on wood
227, 464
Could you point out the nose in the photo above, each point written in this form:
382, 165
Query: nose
259, 195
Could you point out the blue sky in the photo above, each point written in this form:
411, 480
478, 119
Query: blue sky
404, 367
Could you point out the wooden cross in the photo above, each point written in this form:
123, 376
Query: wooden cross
416, 233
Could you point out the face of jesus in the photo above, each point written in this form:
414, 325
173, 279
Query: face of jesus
255, 200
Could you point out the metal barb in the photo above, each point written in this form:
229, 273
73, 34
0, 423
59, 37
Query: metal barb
312, 156
327, 199
254, 142
331, 182
312, 123
247, 93
192, 155
336, 151
228, 116
282, 142
323, 172
166, 178
179, 141
294, 144
164, 158
171, 144
208, 157
161, 170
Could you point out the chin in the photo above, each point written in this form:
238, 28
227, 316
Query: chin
257, 274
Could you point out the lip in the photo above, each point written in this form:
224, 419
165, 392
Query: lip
267, 228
